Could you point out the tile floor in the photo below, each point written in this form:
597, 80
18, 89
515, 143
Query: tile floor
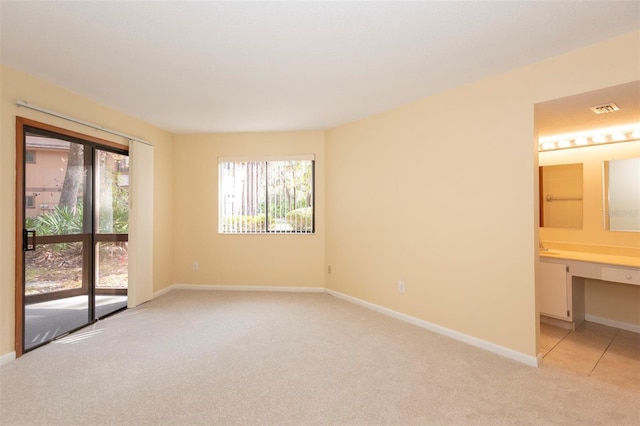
595, 350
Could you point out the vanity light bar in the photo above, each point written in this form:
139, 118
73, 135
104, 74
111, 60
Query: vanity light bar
594, 137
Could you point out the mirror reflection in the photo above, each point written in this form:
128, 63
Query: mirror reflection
622, 194
561, 196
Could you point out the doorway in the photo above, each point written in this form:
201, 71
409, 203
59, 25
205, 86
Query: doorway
72, 214
580, 137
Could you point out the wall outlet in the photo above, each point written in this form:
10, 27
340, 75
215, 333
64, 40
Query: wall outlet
196, 266
400, 286
328, 269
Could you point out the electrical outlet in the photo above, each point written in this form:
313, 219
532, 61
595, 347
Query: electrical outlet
329, 269
400, 286
196, 266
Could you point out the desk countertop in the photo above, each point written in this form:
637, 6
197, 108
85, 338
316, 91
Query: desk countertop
584, 256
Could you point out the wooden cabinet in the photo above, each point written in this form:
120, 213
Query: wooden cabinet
561, 292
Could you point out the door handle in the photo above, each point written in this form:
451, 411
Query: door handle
29, 234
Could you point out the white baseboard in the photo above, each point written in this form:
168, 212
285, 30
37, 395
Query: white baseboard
567, 325
456, 335
163, 291
7, 358
239, 288
613, 323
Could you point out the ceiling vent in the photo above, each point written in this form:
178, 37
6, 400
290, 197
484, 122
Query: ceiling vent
605, 109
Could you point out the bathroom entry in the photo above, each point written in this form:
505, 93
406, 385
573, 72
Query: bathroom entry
590, 131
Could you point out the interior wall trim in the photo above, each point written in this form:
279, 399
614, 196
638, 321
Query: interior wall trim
7, 358
239, 288
613, 323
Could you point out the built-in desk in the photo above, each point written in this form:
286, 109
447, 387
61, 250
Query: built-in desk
561, 281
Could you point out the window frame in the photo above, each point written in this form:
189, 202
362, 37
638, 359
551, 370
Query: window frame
266, 160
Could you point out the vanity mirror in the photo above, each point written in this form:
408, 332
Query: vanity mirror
621, 183
561, 196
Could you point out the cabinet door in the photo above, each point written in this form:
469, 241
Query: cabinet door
553, 290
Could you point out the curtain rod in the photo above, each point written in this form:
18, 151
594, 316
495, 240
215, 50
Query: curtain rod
78, 121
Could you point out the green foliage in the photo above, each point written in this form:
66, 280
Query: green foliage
300, 219
30, 222
59, 221
62, 220
120, 207
115, 221
121, 220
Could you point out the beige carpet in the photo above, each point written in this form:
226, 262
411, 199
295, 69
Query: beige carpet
216, 358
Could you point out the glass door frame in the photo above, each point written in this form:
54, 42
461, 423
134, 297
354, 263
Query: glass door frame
23, 126
83, 237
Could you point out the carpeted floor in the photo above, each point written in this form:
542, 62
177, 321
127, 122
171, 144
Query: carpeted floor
217, 358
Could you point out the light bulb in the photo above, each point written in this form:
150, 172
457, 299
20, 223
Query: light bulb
564, 144
618, 136
548, 145
582, 141
599, 138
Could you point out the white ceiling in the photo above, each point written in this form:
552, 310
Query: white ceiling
573, 114
203, 66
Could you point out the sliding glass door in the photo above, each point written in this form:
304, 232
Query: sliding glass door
57, 237
75, 232
111, 232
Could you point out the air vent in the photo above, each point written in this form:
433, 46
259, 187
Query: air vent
605, 109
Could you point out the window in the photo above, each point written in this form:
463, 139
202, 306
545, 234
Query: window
30, 201
122, 163
266, 196
29, 156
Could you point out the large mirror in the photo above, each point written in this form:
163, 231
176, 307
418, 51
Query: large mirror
622, 194
561, 196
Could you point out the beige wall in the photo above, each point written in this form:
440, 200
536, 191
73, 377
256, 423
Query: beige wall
612, 301
254, 260
442, 194
15, 86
